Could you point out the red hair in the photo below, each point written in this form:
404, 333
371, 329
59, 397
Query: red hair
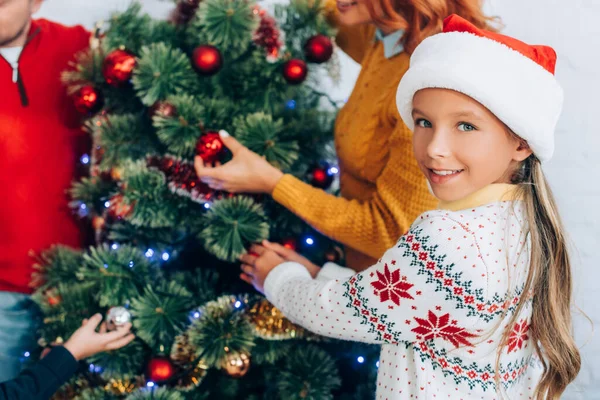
423, 18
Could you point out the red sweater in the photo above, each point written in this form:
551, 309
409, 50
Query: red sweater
41, 143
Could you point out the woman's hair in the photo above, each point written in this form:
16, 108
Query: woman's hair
549, 282
423, 18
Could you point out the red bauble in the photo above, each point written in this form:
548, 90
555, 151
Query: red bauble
294, 71
162, 109
88, 100
118, 67
210, 147
290, 243
207, 59
320, 176
318, 49
160, 369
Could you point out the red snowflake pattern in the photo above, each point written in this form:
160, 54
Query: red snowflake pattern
435, 326
518, 336
391, 287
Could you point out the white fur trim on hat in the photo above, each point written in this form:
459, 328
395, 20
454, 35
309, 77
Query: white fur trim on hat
520, 92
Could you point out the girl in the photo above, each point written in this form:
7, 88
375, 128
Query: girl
474, 301
381, 187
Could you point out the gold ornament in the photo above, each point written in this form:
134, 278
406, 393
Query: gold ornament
116, 173
98, 223
123, 386
270, 324
236, 365
183, 354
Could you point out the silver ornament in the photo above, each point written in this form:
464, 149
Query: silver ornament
117, 316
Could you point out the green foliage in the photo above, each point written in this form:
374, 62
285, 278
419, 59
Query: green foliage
228, 24
93, 192
220, 330
117, 275
231, 225
124, 363
162, 71
156, 394
129, 29
56, 265
180, 133
266, 137
123, 137
161, 313
308, 372
154, 206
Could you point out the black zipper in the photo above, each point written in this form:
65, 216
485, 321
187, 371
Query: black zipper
17, 77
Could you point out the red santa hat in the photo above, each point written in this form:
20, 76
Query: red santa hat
514, 80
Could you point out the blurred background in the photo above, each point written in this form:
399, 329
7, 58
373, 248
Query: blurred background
572, 28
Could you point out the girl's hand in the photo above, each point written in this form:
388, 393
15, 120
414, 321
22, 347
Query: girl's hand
247, 172
291, 255
86, 342
257, 264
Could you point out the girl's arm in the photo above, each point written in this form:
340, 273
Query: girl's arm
423, 288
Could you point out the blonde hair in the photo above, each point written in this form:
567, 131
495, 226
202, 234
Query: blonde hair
550, 282
423, 18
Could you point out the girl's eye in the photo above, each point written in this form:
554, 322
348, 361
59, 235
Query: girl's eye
423, 123
465, 127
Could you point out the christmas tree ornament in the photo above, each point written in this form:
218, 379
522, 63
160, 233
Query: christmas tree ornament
98, 222
122, 387
334, 254
290, 243
88, 100
118, 208
162, 109
270, 324
207, 60
210, 147
267, 34
318, 49
117, 316
184, 12
116, 173
236, 365
183, 355
320, 176
295, 71
160, 369
118, 67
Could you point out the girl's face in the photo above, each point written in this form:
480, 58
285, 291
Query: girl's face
460, 145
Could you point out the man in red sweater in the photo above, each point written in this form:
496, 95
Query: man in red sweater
41, 145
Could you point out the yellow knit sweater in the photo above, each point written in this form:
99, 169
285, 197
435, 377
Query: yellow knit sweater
382, 189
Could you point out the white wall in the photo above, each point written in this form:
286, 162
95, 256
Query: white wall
572, 28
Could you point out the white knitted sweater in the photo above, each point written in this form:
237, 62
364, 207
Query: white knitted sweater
438, 302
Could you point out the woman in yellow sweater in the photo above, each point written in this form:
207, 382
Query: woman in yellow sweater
381, 186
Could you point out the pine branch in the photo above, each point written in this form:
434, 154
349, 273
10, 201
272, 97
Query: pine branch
123, 137
56, 265
154, 206
264, 136
124, 363
162, 71
307, 372
180, 133
129, 29
93, 192
231, 225
118, 275
220, 330
156, 394
228, 24
162, 313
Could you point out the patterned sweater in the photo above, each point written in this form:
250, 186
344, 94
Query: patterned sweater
438, 302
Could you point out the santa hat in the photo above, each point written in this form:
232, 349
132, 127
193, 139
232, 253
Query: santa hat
514, 80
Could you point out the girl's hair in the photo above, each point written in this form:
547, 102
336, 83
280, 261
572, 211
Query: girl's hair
549, 282
423, 18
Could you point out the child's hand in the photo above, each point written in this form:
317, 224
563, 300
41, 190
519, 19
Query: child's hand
291, 255
86, 342
257, 264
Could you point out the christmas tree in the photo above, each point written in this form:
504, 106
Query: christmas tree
154, 94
